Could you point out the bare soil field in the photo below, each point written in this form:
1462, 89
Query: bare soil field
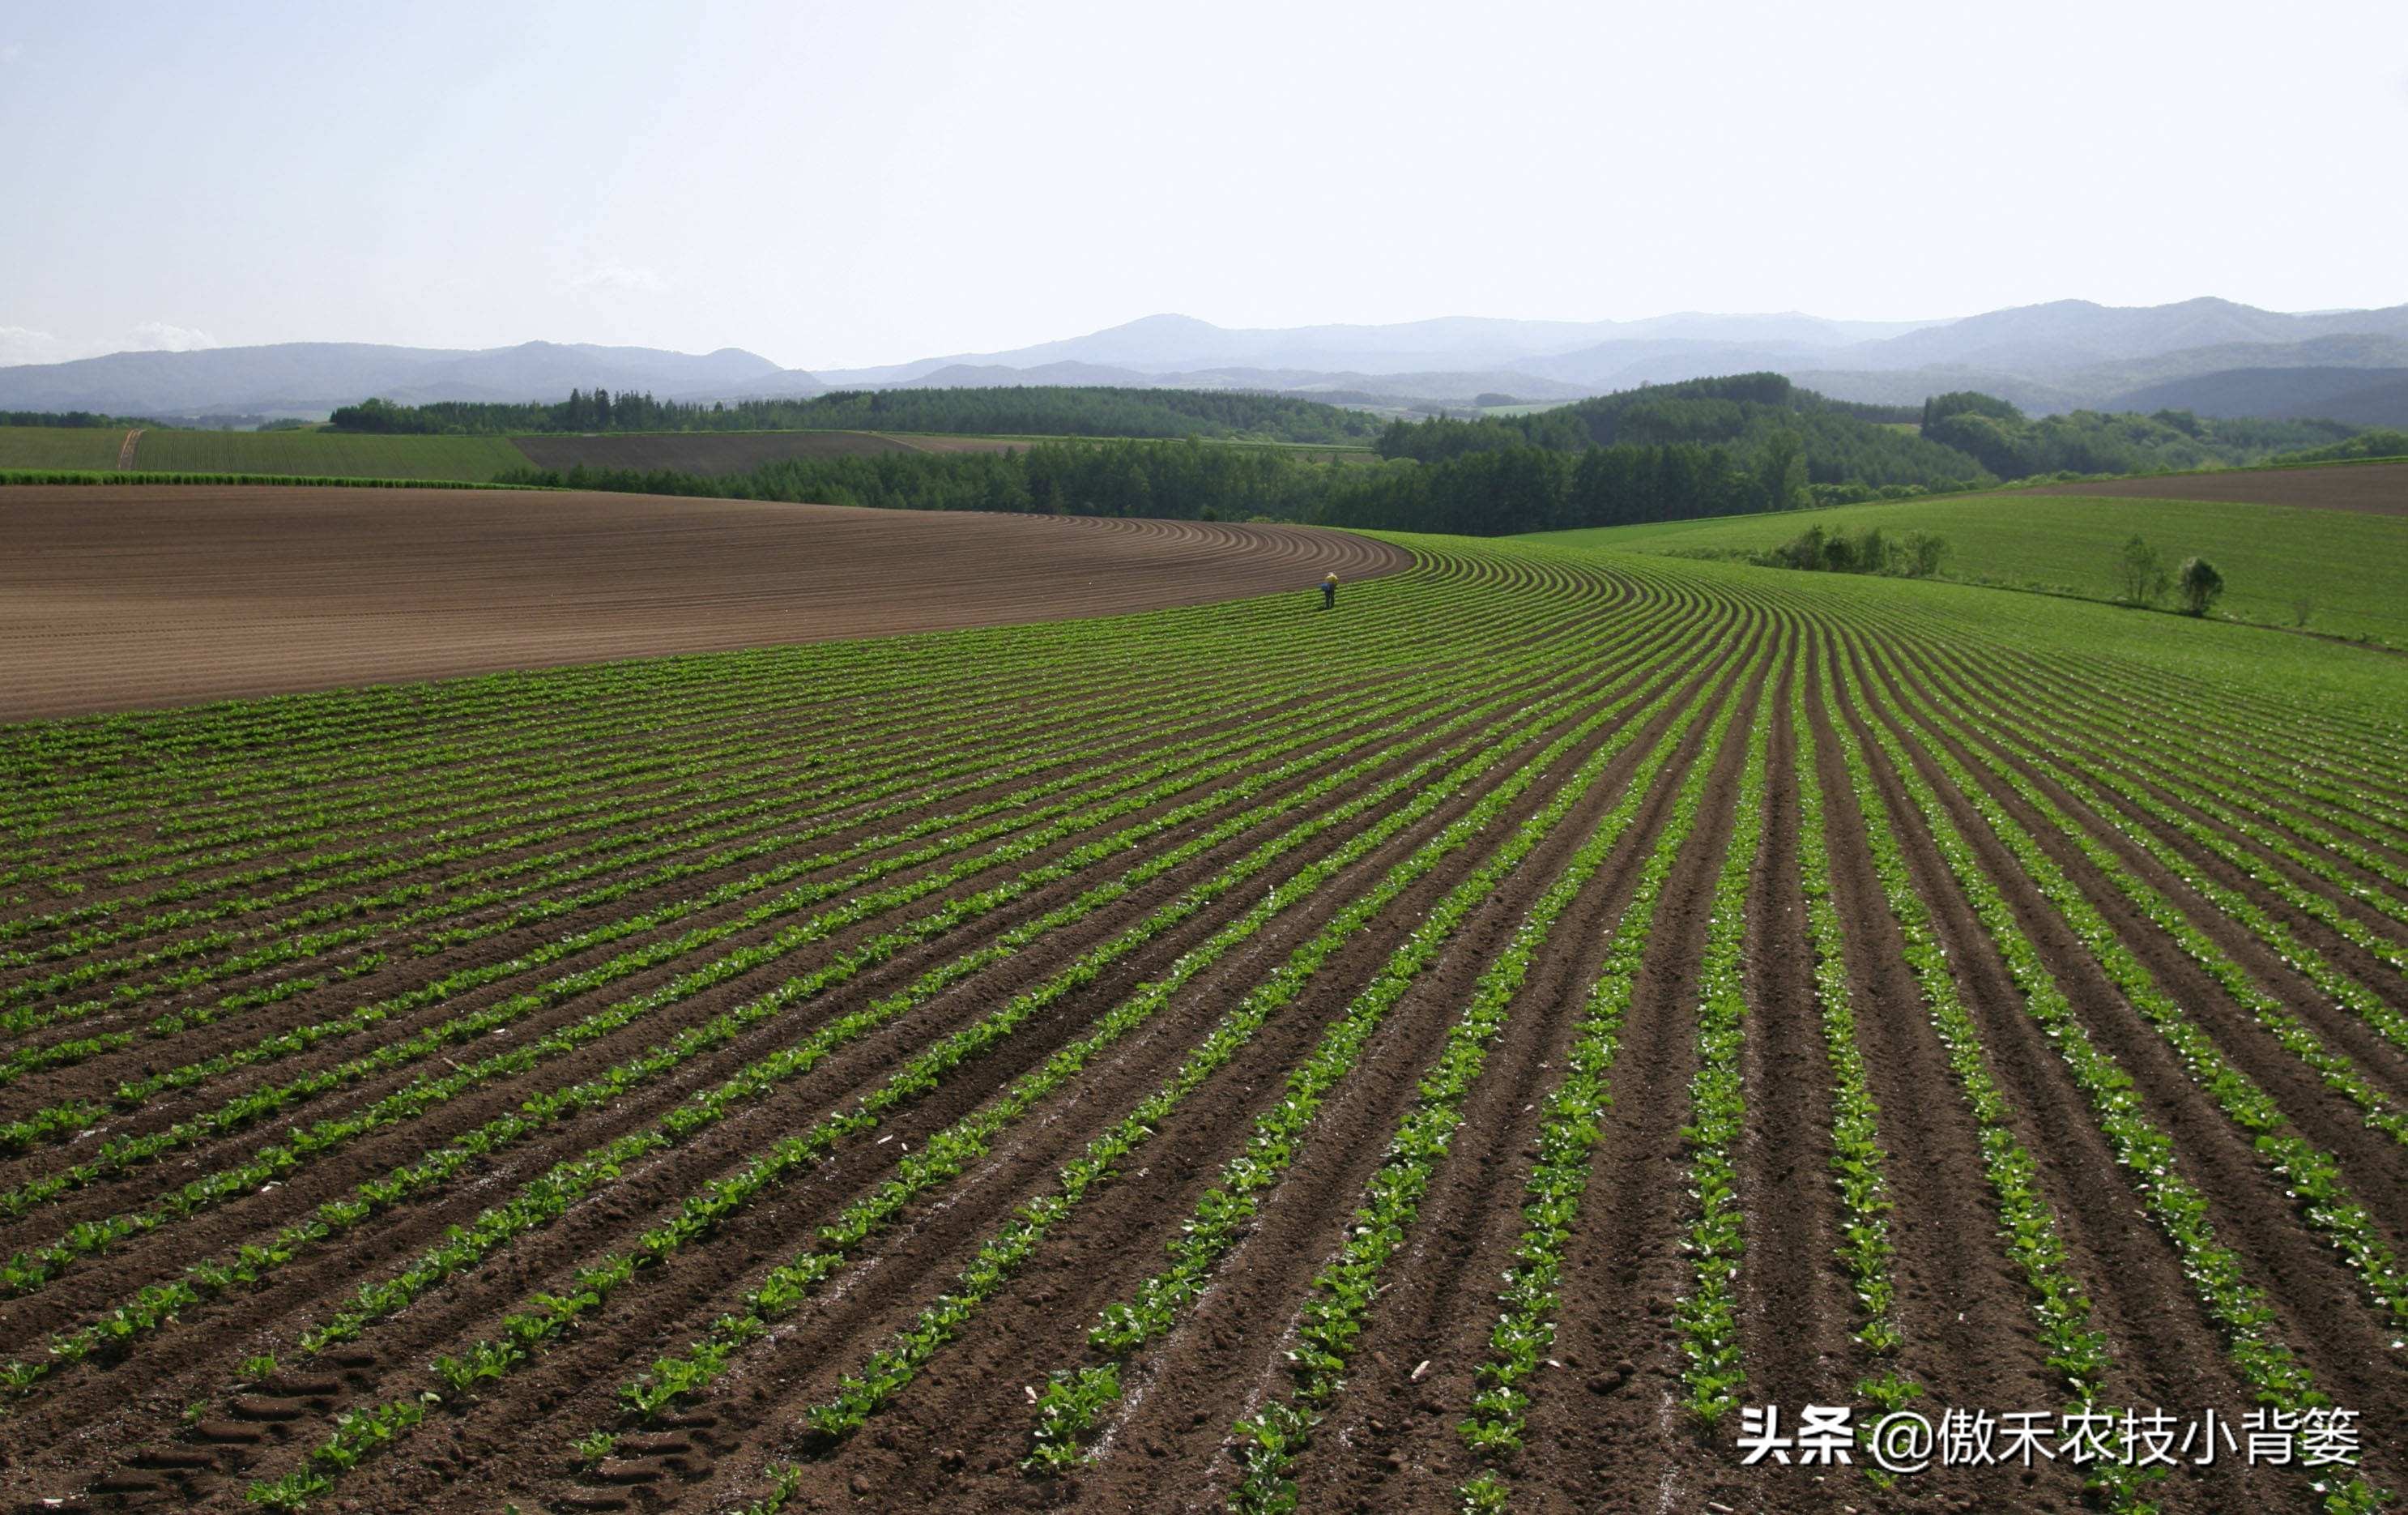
115, 599
2374, 489
700, 451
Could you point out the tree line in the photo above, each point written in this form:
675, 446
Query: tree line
1061, 410
2007, 442
1481, 493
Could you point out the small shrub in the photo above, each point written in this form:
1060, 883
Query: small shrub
2200, 585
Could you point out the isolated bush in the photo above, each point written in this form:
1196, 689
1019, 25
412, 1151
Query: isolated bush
2140, 573
2200, 584
1921, 554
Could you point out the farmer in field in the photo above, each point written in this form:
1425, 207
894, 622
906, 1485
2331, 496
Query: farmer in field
1328, 590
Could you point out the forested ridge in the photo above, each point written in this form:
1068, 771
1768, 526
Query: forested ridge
1059, 410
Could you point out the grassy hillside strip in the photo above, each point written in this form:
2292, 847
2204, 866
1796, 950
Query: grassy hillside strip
2238, 1308
547, 1316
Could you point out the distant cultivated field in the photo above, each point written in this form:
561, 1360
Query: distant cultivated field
470, 459
113, 598
59, 447
2347, 566
2378, 488
700, 451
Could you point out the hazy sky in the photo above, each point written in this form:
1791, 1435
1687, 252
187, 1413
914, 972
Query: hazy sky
850, 184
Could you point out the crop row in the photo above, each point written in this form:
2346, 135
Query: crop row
548, 1315
2216, 1275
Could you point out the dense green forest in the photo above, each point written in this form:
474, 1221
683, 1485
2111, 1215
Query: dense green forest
1054, 410
70, 418
2013, 445
1488, 493
2383, 441
1740, 416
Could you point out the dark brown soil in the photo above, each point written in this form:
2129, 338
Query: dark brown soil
2373, 488
122, 598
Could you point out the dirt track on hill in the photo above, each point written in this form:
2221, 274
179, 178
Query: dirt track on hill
118, 599
2372, 489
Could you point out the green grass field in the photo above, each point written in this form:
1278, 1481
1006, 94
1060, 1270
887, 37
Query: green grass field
470, 459
59, 447
2347, 568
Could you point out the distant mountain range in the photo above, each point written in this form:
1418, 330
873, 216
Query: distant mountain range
312, 378
2209, 354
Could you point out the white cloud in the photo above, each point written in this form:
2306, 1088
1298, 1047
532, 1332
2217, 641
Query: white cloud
11, 51
158, 337
611, 276
21, 344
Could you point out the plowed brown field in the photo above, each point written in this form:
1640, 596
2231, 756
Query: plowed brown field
116, 598
2375, 488
1469, 1048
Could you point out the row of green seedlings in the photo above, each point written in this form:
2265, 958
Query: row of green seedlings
1077, 813
543, 954
2283, 750
1277, 1132
550, 1316
282, 1160
2182, 724
773, 681
251, 1263
684, 692
863, 1391
683, 864
1571, 1123
2309, 1175
548, 1196
767, 783
2132, 785
1075, 1400
2336, 1070
1707, 1314
2076, 1352
1074, 693
2231, 803
287, 949
2238, 906
1860, 1162
1272, 1441
2216, 1275
286, 945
